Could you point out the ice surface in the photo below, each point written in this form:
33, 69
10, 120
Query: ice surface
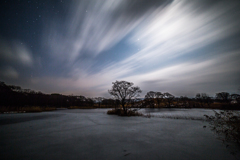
92, 134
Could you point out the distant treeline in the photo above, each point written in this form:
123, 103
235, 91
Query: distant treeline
15, 96
222, 100
12, 95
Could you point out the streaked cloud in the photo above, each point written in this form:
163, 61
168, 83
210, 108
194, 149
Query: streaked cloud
95, 26
8, 73
15, 52
179, 46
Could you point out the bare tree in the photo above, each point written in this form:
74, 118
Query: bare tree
124, 92
15, 88
99, 100
203, 99
149, 99
159, 98
224, 97
236, 97
168, 98
116, 103
184, 101
152, 96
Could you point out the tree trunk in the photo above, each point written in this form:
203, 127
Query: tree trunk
158, 103
124, 109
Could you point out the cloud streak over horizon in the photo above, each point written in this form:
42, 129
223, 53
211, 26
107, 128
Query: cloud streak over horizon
81, 47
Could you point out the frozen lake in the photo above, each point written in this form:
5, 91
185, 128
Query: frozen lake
179, 113
92, 134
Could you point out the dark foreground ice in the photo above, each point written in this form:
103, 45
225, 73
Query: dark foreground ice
92, 134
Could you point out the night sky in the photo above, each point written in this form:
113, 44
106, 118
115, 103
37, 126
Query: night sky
80, 47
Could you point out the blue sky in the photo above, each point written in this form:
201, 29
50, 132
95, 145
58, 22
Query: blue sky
81, 47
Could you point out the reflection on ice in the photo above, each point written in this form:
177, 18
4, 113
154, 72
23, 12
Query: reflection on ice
194, 114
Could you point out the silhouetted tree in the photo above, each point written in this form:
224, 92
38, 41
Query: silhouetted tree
15, 97
236, 97
140, 103
223, 97
89, 102
159, 98
99, 100
4, 88
184, 100
109, 103
124, 92
203, 99
15, 88
168, 98
149, 99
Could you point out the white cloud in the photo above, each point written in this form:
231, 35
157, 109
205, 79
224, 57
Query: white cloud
177, 30
161, 34
9, 73
186, 78
92, 27
15, 52
181, 77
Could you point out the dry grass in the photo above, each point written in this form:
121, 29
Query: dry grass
148, 115
226, 124
112, 111
103, 106
180, 117
4, 109
78, 107
120, 112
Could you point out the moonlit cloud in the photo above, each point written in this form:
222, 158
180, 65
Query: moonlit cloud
13, 56
179, 46
15, 52
189, 75
9, 73
169, 35
176, 31
95, 26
